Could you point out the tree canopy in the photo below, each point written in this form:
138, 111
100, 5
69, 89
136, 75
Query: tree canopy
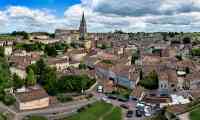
31, 78
150, 81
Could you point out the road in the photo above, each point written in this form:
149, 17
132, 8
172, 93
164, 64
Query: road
51, 112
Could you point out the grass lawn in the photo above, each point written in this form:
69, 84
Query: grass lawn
35, 118
96, 111
116, 114
195, 114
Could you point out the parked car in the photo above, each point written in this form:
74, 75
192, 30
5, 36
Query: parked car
147, 111
112, 97
105, 100
121, 99
138, 113
129, 114
100, 89
125, 106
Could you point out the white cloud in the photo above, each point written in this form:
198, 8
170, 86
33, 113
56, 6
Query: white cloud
108, 15
22, 18
138, 15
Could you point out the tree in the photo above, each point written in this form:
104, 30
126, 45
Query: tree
179, 57
1, 52
135, 57
50, 81
119, 32
24, 34
5, 78
50, 51
74, 83
187, 70
150, 81
186, 40
104, 46
35, 118
82, 66
17, 82
31, 79
196, 52
141, 75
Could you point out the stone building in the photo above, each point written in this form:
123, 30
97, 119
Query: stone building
32, 98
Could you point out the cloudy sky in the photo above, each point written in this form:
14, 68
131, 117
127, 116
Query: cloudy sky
102, 15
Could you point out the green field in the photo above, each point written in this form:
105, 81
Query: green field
116, 114
98, 111
195, 114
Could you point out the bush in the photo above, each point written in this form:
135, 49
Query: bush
151, 81
82, 66
63, 98
196, 51
81, 109
74, 83
3, 117
8, 100
35, 118
89, 96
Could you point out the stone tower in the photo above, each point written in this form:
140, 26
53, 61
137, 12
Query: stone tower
83, 28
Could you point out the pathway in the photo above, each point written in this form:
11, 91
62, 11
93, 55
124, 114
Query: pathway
184, 116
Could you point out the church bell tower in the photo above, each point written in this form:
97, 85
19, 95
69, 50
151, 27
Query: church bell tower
83, 28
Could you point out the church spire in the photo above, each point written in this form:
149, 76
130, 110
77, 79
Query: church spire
83, 27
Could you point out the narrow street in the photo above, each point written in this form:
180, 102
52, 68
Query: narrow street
54, 112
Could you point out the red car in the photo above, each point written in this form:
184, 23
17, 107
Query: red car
125, 106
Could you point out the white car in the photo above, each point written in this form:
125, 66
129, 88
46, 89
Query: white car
105, 100
100, 89
147, 111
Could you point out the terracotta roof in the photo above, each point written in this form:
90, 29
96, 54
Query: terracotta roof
137, 91
195, 93
163, 75
186, 63
172, 76
57, 60
177, 109
147, 59
104, 65
193, 76
22, 61
122, 69
32, 94
156, 100
77, 51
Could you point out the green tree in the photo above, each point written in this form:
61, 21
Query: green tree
24, 34
179, 57
31, 79
150, 81
51, 51
135, 57
5, 78
186, 40
35, 118
17, 82
50, 81
196, 52
74, 83
82, 66
1, 51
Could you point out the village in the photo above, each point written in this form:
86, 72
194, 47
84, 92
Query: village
56, 74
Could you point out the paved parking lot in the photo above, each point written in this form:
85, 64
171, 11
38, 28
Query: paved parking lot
131, 104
